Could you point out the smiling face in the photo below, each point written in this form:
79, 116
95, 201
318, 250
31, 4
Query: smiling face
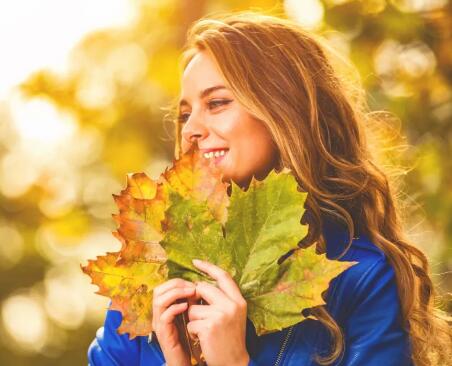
240, 143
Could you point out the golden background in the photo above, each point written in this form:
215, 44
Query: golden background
83, 86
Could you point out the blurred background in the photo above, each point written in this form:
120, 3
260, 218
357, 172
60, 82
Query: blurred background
83, 86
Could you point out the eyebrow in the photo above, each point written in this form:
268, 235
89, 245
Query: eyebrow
203, 94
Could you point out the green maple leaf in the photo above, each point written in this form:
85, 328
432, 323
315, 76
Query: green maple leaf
193, 232
301, 279
263, 225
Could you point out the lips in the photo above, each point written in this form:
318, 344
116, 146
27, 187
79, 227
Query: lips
218, 159
203, 151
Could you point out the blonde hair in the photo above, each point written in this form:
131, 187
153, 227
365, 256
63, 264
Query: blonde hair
282, 75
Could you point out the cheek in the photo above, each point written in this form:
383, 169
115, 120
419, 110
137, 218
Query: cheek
259, 150
227, 125
264, 149
253, 150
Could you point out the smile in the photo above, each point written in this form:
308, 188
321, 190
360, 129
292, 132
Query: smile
217, 156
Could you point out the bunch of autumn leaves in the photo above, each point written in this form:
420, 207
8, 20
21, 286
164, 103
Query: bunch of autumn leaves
187, 213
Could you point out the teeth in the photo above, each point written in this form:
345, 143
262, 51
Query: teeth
216, 154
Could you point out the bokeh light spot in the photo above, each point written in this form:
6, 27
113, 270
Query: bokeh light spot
308, 13
25, 321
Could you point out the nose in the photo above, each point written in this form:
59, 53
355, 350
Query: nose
194, 129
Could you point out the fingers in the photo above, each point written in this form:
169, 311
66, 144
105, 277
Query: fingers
224, 280
166, 299
164, 295
169, 314
198, 312
213, 295
175, 282
196, 326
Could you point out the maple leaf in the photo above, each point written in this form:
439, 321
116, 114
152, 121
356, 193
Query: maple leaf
129, 276
141, 209
193, 232
196, 177
188, 214
275, 304
263, 225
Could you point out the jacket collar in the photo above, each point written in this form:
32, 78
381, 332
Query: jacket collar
336, 239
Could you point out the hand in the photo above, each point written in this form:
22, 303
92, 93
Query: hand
220, 325
164, 312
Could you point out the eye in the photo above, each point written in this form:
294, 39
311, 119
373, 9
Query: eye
218, 102
183, 117
212, 104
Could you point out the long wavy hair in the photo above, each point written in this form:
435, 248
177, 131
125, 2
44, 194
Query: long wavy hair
288, 78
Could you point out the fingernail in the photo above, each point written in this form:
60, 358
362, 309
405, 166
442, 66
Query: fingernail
196, 261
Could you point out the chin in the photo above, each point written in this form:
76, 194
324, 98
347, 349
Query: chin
242, 182
227, 179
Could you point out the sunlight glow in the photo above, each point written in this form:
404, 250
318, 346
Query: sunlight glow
399, 66
411, 6
64, 286
41, 152
308, 13
41, 34
39, 121
25, 321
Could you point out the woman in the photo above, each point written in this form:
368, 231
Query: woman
261, 92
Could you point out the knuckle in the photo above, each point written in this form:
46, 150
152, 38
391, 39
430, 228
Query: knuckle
222, 316
164, 317
178, 282
242, 305
223, 275
230, 312
200, 284
217, 324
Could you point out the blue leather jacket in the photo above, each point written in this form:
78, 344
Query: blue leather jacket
363, 300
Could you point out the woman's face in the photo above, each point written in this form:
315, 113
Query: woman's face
239, 143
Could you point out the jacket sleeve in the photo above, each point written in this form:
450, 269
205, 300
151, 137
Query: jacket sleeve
373, 332
111, 349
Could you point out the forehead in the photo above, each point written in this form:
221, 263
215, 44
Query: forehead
200, 73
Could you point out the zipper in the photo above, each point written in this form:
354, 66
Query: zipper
283, 346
